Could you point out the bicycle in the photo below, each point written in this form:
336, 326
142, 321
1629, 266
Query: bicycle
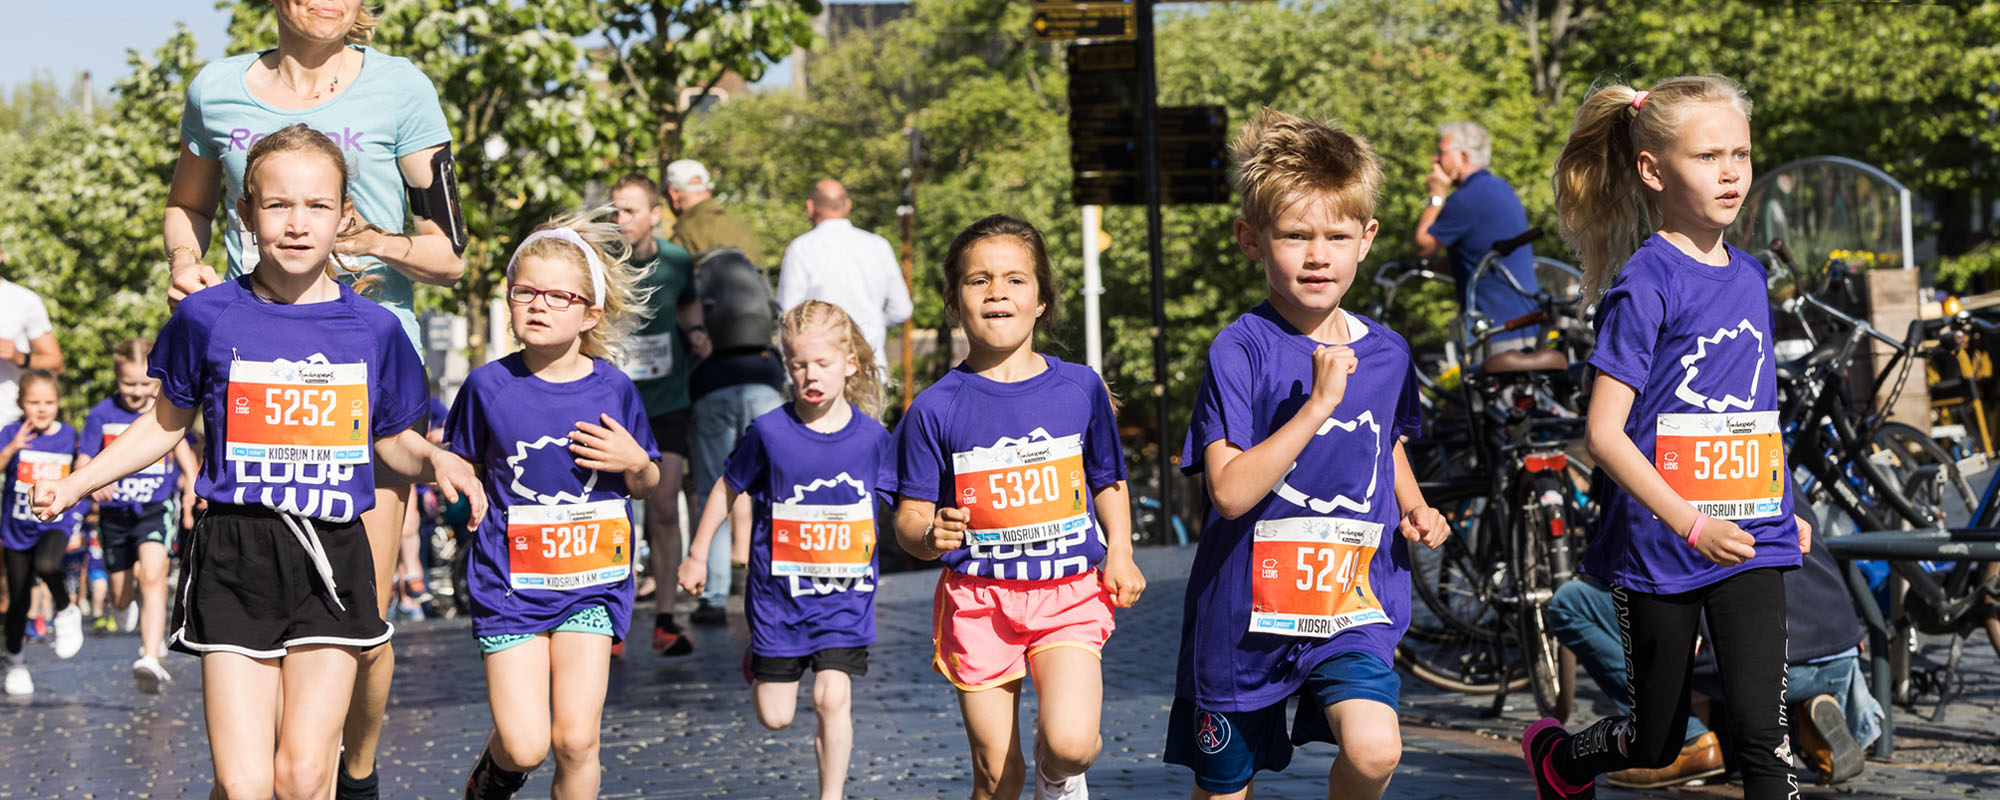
1517, 532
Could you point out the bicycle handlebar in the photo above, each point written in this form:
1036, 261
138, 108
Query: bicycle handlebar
1506, 246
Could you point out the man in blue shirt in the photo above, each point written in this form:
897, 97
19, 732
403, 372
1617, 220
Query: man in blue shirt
1483, 209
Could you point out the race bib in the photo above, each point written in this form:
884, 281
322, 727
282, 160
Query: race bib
298, 413
1309, 576
35, 466
112, 430
649, 357
1729, 466
1023, 493
816, 541
568, 547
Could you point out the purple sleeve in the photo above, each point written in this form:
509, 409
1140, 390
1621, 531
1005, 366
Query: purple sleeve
1222, 407
1633, 312
1103, 453
177, 360
746, 465
91, 441
919, 459
403, 398
461, 434
1409, 408
1453, 220
885, 468
634, 417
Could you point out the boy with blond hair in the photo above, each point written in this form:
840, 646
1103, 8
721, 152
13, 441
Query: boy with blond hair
1300, 584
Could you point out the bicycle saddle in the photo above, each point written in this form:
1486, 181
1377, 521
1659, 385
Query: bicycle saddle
1791, 370
1525, 361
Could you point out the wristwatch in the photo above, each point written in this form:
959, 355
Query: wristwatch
1437, 200
26, 357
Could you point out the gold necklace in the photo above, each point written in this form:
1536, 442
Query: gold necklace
330, 87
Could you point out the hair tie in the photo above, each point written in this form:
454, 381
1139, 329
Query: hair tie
1639, 98
570, 236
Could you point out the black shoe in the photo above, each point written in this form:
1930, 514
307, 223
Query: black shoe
706, 614
352, 788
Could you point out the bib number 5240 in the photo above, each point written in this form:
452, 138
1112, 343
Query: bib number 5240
1325, 569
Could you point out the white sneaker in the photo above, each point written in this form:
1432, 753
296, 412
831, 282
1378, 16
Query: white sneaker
17, 680
150, 675
69, 631
1072, 789
132, 616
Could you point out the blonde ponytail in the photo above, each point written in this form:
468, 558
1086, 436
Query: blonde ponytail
1604, 209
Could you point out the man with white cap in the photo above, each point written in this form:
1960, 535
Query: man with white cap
700, 224
743, 377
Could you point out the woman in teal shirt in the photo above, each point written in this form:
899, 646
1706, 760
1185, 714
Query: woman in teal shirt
384, 114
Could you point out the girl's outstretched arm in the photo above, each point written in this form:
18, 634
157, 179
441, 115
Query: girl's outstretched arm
149, 437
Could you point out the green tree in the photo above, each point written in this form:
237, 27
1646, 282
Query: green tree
81, 215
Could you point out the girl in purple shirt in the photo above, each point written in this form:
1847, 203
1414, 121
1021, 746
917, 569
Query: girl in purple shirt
304, 387
1009, 471
811, 472
561, 438
1684, 420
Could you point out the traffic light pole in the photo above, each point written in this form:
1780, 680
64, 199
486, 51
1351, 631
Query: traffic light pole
1149, 153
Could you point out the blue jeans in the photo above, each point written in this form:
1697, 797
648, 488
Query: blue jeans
1584, 619
720, 418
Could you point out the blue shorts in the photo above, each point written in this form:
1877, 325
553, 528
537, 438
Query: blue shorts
1226, 748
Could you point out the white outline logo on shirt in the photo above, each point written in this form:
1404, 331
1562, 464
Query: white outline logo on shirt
520, 456
1686, 390
1290, 494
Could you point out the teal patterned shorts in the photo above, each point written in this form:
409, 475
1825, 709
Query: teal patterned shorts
590, 620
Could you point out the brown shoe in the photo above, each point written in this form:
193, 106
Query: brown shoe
1701, 758
1825, 744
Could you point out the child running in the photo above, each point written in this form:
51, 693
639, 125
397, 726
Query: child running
812, 471
1697, 518
39, 448
560, 435
303, 387
1301, 583
138, 514
1010, 471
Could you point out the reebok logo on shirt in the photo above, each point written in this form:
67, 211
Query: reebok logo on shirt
347, 138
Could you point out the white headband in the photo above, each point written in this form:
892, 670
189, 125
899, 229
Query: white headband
570, 236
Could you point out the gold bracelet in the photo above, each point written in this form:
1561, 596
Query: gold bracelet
177, 251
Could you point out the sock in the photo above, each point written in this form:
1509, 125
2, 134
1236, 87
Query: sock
490, 782
352, 788
1592, 751
665, 622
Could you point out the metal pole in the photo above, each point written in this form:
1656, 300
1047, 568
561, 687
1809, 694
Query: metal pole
1149, 153
907, 213
1093, 289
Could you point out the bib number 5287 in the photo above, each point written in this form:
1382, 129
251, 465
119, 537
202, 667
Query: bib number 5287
570, 541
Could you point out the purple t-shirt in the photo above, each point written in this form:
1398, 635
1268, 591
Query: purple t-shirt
45, 458
156, 483
569, 545
813, 587
1316, 568
1026, 458
293, 396
1694, 341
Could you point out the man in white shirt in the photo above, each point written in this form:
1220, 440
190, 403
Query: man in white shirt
846, 266
27, 341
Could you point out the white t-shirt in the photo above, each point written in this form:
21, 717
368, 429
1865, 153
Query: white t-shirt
851, 268
23, 319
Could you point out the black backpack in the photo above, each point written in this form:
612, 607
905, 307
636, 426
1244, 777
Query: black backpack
737, 306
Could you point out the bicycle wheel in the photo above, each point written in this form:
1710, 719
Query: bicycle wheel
1546, 532
1458, 640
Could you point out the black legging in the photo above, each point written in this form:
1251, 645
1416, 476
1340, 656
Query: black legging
45, 561
1746, 625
